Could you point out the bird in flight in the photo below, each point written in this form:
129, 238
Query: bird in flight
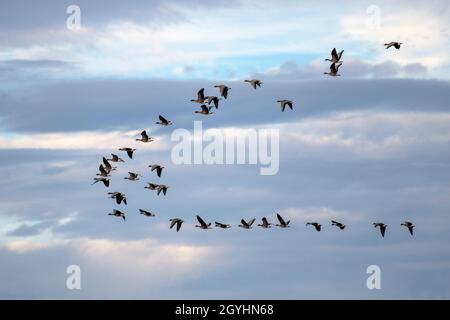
147, 213
118, 213
223, 90
176, 221
161, 187
115, 158
203, 224
158, 169
205, 110
222, 225
285, 103
129, 152
338, 224
200, 96
151, 186
103, 172
163, 121
334, 69
102, 179
119, 197
210, 99
409, 225
394, 44
316, 225
145, 137
254, 83
335, 56
108, 167
382, 227
282, 223
132, 176
265, 224
246, 225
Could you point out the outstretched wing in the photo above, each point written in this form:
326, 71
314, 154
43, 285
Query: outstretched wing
202, 222
162, 119
280, 218
251, 222
201, 94
158, 171
334, 54
130, 153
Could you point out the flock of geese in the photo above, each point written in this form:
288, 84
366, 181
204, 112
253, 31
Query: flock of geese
206, 105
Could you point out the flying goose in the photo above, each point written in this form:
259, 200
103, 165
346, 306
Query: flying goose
132, 176
158, 169
285, 103
115, 158
246, 225
103, 172
317, 225
338, 224
200, 96
222, 225
162, 188
282, 224
335, 57
117, 213
205, 110
394, 44
108, 166
214, 99
223, 90
119, 196
102, 179
254, 83
145, 137
382, 227
334, 68
147, 213
203, 224
129, 152
265, 224
163, 121
176, 221
151, 186
409, 225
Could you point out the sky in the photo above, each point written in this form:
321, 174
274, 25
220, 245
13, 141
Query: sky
372, 145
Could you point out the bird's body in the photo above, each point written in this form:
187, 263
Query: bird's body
162, 188
102, 179
334, 69
129, 151
285, 103
223, 90
108, 167
118, 213
338, 224
146, 213
222, 225
151, 186
265, 224
409, 225
282, 223
144, 137
394, 44
115, 158
119, 197
163, 121
246, 224
335, 56
176, 221
382, 227
203, 224
158, 169
103, 172
254, 83
132, 176
200, 96
210, 99
205, 110
316, 225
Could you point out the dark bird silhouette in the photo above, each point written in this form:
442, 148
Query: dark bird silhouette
115, 158
103, 172
158, 169
203, 224
176, 221
210, 99
205, 110
151, 186
284, 103
222, 225
200, 96
394, 44
118, 213
409, 225
282, 223
335, 56
254, 83
102, 179
338, 224
316, 225
132, 176
129, 151
223, 90
145, 137
246, 225
334, 69
265, 224
163, 121
162, 188
147, 213
108, 166
382, 227
119, 197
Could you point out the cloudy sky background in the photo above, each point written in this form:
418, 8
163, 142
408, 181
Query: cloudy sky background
372, 145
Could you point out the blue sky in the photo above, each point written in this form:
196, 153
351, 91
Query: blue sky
371, 145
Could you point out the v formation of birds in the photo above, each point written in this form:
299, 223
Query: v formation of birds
207, 103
